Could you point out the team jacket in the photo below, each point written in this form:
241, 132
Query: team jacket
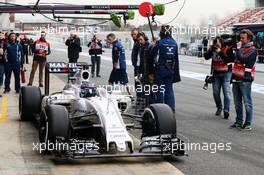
165, 53
118, 55
143, 59
222, 61
14, 52
41, 46
244, 67
135, 54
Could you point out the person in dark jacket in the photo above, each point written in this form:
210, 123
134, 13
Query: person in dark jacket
135, 51
135, 59
146, 68
15, 60
167, 71
222, 57
31, 46
118, 74
243, 75
25, 44
2, 59
144, 44
74, 47
205, 45
95, 51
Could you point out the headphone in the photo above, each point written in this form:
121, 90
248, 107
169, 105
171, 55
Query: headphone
143, 35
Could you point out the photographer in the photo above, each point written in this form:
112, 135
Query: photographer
242, 78
222, 56
74, 47
95, 50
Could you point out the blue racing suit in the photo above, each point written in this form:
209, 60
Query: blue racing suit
118, 73
167, 69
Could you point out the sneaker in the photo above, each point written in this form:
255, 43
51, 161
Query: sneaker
92, 75
236, 125
6, 91
29, 84
247, 127
41, 85
218, 112
99, 76
226, 115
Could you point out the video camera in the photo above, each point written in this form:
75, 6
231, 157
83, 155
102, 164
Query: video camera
229, 40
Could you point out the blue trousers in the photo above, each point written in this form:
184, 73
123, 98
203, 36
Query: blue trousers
164, 80
222, 82
15, 68
242, 93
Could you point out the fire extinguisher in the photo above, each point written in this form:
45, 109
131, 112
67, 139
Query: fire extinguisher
22, 73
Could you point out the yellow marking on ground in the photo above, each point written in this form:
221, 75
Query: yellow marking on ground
3, 118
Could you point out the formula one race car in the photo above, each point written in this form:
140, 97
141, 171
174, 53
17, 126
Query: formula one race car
84, 121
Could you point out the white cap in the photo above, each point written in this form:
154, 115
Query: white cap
43, 33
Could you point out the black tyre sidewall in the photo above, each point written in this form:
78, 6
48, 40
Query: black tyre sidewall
58, 122
165, 119
29, 102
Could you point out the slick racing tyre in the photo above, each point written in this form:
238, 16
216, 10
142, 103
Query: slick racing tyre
29, 102
54, 124
158, 119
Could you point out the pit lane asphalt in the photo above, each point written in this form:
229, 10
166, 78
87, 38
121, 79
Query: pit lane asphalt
197, 123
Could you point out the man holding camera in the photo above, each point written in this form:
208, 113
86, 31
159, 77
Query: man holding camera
95, 51
242, 78
74, 47
222, 56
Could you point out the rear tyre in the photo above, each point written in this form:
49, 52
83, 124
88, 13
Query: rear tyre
29, 102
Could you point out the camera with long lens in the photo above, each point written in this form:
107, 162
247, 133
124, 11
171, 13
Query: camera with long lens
229, 40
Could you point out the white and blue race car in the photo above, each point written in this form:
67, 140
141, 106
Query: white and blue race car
90, 122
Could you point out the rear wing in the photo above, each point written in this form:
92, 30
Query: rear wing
61, 68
